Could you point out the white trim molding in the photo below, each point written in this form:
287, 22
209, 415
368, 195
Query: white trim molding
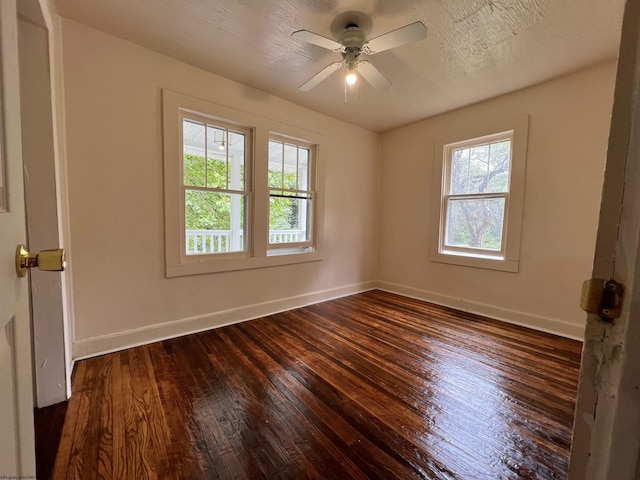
177, 107
535, 322
94, 346
514, 128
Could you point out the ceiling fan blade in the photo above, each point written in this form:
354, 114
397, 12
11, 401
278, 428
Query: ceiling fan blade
320, 76
310, 37
372, 75
403, 35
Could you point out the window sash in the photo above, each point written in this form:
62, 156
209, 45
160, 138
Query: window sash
307, 195
447, 197
219, 241
480, 252
307, 229
245, 193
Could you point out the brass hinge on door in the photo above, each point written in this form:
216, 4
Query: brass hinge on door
602, 297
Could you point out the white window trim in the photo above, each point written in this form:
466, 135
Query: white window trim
178, 264
508, 259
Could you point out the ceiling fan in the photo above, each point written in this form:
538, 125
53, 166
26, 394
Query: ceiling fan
352, 43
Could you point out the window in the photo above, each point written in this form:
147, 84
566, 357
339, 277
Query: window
480, 200
476, 195
214, 186
236, 195
290, 194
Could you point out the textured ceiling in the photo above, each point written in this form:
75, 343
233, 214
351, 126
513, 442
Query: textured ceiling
475, 49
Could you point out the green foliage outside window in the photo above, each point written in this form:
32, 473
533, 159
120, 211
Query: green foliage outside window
206, 210
283, 212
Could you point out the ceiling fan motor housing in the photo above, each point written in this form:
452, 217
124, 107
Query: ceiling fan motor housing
352, 36
352, 39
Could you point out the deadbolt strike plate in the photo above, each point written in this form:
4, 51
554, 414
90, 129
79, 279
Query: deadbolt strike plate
602, 297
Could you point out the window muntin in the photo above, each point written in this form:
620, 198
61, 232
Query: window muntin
475, 198
290, 179
215, 192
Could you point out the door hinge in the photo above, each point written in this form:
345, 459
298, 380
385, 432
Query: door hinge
602, 297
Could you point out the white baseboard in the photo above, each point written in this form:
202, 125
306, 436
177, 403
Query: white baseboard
70, 367
536, 322
94, 346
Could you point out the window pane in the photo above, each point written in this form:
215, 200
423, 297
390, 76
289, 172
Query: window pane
217, 171
475, 223
215, 222
478, 169
303, 169
236, 160
194, 171
289, 220
216, 158
290, 167
194, 151
275, 164
481, 169
460, 170
499, 166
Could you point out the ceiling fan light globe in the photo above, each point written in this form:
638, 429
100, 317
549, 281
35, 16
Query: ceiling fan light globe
351, 78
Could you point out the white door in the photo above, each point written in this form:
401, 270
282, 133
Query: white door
606, 442
17, 455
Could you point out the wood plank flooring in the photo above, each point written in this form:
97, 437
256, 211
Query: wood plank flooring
373, 385
48, 428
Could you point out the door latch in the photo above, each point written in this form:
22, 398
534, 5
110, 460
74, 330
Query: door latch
602, 297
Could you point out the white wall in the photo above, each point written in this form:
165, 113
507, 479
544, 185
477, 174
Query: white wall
115, 192
114, 156
568, 130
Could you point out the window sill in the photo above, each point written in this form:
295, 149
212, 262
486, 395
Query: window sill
217, 265
487, 262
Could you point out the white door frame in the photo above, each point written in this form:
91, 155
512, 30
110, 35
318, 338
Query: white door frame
606, 442
54, 28
41, 204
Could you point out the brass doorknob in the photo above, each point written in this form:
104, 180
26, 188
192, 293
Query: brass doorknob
50, 260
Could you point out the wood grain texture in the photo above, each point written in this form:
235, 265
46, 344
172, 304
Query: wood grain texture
374, 385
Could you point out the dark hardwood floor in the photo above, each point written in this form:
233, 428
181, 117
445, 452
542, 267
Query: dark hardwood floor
373, 385
48, 428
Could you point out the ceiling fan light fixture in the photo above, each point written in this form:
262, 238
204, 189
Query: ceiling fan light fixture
222, 144
352, 77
